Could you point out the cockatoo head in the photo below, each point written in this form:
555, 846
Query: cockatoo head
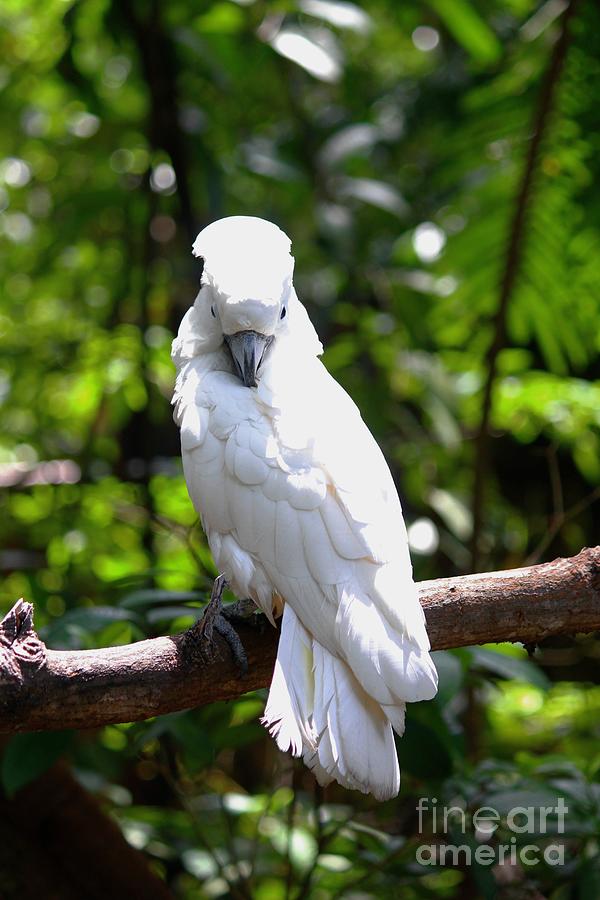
247, 283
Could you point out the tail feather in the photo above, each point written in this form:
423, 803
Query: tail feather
288, 712
317, 708
356, 745
391, 667
339, 712
396, 715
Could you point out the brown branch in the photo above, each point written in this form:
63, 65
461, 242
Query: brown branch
42, 689
559, 519
511, 270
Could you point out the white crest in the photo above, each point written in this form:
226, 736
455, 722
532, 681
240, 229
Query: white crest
245, 258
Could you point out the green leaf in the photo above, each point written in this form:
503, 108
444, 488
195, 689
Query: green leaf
588, 879
532, 799
28, 755
154, 597
75, 626
92, 618
464, 22
451, 675
168, 613
222, 18
421, 751
508, 666
300, 844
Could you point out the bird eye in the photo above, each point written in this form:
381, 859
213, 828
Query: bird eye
283, 312
212, 312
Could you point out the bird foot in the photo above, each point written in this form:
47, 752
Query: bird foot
241, 612
218, 618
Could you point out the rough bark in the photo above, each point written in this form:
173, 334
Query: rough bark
42, 689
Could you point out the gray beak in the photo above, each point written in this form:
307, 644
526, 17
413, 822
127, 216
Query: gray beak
247, 350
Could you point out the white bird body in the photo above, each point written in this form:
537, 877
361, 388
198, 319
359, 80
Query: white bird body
301, 515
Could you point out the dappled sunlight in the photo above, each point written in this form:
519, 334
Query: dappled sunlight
436, 166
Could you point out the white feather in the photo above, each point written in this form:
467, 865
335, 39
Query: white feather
288, 538
299, 504
288, 712
356, 744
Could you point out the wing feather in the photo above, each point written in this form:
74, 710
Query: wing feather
244, 499
248, 468
345, 539
289, 551
193, 425
275, 485
306, 489
322, 559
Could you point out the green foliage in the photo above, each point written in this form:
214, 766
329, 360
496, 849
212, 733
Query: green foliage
388, 140
29, 755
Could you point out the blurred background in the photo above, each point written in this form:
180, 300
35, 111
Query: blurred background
436, 166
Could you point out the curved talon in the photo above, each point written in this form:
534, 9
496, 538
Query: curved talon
213, 609
228, 632
215, 619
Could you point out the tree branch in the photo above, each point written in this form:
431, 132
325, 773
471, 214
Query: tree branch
42, 689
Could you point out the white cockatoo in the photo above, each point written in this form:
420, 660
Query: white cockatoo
300, 511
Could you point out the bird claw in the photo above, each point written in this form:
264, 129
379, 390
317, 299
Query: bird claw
216, 618
241, 612
230, 635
